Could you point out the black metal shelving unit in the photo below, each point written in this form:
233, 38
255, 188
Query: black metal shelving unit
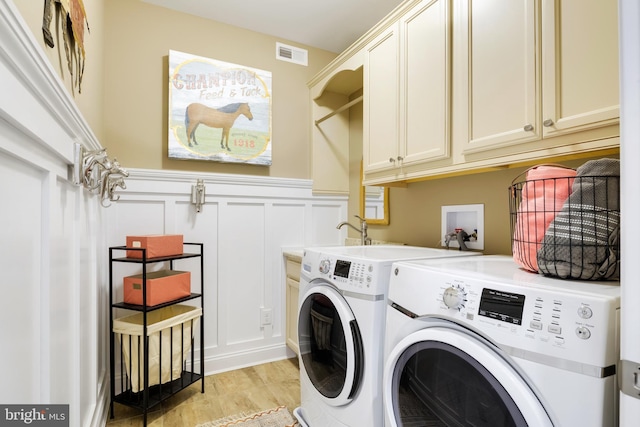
148, 397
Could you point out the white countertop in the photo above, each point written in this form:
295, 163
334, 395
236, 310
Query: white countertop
293, 253
296, 253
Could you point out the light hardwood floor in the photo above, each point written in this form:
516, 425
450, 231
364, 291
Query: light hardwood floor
251, 389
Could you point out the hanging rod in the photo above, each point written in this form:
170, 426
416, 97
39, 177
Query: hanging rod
339, 110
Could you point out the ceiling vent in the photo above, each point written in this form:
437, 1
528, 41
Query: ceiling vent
291, 54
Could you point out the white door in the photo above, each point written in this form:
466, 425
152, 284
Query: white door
630, 206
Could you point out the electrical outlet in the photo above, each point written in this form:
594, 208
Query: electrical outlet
266, 316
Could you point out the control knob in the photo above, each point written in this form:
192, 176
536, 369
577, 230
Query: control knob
585, 312
324, 266
454, 297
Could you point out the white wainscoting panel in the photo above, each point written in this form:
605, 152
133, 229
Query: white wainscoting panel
326, 217
21, 260
53, 308
201, 229
61, 289
241, 285
243, 225
54, 311
287, 230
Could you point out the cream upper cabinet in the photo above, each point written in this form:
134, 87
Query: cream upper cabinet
425, 82
407, 92
381, 102
452, 87
580, 83
535, 69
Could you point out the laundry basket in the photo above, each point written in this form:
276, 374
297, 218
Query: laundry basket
566, 223
170, 331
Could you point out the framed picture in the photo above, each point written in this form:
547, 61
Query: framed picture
218, 111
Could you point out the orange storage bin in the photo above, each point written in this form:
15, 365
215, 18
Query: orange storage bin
157, 245
162, 286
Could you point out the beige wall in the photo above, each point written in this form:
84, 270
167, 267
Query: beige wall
125, 84
90, 100
131, 118
137, 43
415, 211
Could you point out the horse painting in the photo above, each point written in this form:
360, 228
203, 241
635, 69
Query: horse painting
223, 117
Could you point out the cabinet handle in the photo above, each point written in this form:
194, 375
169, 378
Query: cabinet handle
528, 127
400, 158
548, 123
391, 160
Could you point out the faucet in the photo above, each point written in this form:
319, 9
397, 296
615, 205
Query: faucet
364, 239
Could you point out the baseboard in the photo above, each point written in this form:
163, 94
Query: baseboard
101, 413
242, 359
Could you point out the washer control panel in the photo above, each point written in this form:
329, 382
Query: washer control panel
356, 274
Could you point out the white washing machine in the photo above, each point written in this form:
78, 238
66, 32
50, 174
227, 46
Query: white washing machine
481, 342
342, 310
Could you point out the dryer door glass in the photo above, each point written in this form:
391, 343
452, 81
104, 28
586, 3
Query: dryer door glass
330, 344
437, 384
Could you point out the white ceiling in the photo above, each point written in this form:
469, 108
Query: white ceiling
332, 25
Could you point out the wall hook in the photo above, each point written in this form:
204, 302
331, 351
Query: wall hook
197, 194
98, 174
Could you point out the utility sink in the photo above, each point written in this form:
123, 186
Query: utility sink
390, 252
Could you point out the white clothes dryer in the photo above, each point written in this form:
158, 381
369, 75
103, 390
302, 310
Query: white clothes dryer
341, 317
481, 342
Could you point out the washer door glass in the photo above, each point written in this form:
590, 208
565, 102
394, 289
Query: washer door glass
440, 377
330, 344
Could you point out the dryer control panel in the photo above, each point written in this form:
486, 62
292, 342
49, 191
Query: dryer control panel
528, 314
538, 315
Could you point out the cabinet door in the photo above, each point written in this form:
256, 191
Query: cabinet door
293, 292
580, 65
380, 108
499, 72
425, 82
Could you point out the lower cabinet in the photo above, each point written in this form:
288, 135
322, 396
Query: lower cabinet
293, 262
